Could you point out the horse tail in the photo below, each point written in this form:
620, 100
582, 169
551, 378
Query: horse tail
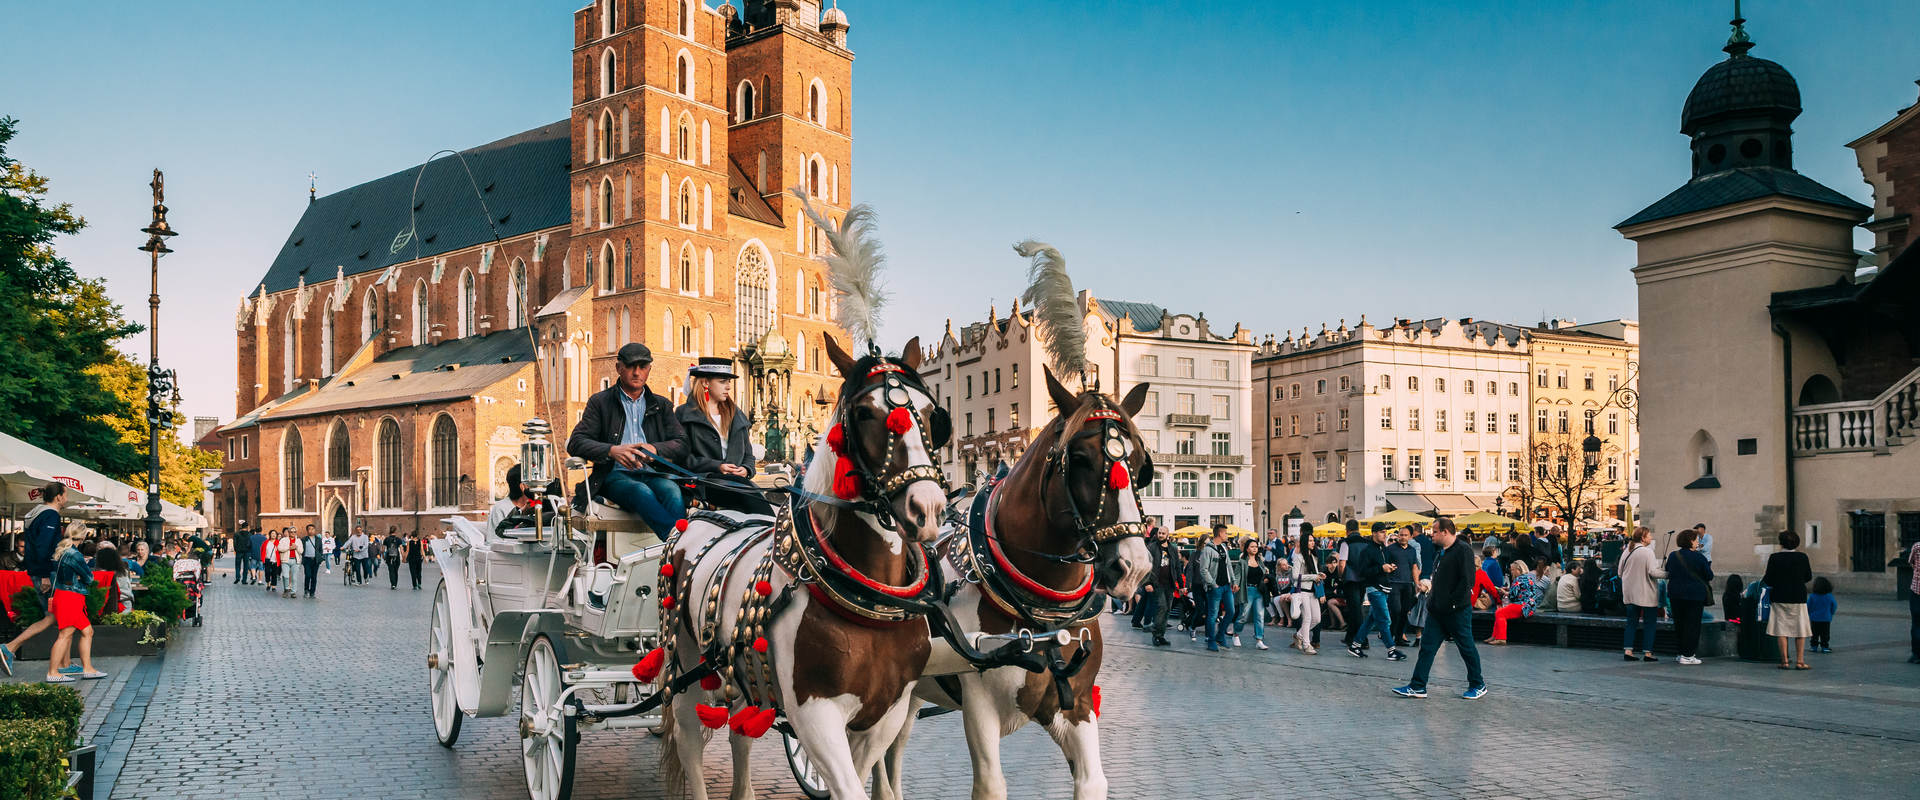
673, 775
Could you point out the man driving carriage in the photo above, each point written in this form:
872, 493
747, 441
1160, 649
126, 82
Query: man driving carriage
623, 431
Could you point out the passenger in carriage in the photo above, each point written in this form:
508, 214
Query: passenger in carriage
624, 429
720, 437
516, 511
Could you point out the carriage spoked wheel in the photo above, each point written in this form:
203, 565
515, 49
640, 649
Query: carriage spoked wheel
547, 734
446, 709
812, 783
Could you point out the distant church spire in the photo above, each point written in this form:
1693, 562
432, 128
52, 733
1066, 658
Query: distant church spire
1738, 43
313, 185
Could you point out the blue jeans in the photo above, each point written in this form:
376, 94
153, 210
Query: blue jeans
656, 499
1457, 626
1376, 619
1219, 612
1254, 609
1641, 620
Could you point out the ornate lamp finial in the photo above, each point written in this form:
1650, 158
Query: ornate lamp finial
1738, 43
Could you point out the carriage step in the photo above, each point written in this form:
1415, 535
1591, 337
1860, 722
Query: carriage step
600, 676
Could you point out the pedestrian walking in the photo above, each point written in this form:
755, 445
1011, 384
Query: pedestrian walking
1638, 569
311, 551
1353, 593
240, 553
43, 537
1689, 586
1402, 582
1253, 595
1306, 605
393, 547
256, 563
329, 553
357, 555
1372, 571
1820, 609
72, 579
1788, 571
1216, 581
1148, 603
416, 557
1449, 614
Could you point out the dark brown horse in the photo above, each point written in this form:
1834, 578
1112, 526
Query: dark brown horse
829, 635
1071, 496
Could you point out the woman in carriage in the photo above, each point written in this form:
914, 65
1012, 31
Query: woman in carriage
719, 438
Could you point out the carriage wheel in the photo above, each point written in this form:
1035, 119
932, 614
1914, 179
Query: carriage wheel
547, 735
446, 709
812, 783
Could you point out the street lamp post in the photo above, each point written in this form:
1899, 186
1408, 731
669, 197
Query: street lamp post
160, 383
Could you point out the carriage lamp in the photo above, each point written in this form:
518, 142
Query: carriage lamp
1592, 448
535, 454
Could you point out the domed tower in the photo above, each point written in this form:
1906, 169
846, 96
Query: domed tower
1740, 113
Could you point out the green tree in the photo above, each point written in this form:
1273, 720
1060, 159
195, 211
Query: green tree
54, 327
180, 464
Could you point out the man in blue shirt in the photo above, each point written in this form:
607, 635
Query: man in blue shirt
42, 536
625, 428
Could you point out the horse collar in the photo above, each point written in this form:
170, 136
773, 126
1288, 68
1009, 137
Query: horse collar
1012, 590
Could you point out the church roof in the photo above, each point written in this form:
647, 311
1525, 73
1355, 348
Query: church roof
1740, 85
523, 179
454, 370
745, 200
1739, 185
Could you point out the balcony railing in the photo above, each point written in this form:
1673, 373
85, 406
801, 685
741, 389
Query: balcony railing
1860, 425
1205, 459
1192, 420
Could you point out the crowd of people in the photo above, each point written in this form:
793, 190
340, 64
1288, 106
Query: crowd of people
292, 564
1397, 586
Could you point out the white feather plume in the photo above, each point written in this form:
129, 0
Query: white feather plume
853, 267
1056, 306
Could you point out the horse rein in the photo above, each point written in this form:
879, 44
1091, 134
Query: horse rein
1116, 446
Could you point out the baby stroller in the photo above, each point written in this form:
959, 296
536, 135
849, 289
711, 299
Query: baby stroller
188, 573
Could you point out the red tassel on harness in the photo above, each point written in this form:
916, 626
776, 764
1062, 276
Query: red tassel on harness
680, 526
666, 602
649, 667
1119, 479
666, 570
837, 441
711, 716
760, 645
757, 726
899, 421
741, 717
1096, 700
763, 588
846, 484
710, 683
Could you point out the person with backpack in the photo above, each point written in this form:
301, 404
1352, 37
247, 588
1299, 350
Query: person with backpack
392, 547
1638, 570
1689, 590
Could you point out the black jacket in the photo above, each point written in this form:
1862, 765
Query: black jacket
1367, 565
1165, 563
1787, 574
705, 453
604, 419
1452, 579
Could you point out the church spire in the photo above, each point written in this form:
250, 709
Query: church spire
1738, 43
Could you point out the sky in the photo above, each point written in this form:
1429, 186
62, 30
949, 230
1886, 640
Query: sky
1273, 164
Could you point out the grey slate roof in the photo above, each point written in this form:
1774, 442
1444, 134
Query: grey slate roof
1740, 85
455, 370
524, 179
1144, 316
1738, 185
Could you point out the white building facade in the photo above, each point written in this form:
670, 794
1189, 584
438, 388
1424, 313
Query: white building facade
1197, 420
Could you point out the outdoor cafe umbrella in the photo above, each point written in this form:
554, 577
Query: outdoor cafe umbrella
1398, 517
1330, 530
1197, 531
1486, 519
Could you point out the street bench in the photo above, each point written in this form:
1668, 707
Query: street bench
1601, 632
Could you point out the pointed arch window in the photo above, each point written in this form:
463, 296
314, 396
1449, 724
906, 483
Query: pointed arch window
813, 177
606, 135
686, 335
369, 315
686, 18
743, 102
444, 455
292, 470
750, 290
326, 338
606, 268
606, 202
608, 69
683, 76
517, 294
814, 101
686, 204
390, 459
422, 326
683, 138
469, 304
339, 453
687, 283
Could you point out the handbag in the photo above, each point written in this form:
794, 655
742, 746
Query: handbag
1417, 615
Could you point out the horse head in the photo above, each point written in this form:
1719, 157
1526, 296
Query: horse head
1099, 462
885, 430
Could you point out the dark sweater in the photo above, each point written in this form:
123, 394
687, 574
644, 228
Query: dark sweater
1452, 579
1787, 574
1368, 566
42, 535
1682, 568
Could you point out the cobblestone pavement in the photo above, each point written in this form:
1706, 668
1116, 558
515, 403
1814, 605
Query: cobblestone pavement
304, 700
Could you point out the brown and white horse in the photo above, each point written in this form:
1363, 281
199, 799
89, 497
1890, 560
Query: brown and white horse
1072, 491
842, 678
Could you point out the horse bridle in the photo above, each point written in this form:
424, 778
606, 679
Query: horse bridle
1115, 448
876, 491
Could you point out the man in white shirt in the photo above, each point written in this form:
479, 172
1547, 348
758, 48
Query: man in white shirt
357, 552
327, 554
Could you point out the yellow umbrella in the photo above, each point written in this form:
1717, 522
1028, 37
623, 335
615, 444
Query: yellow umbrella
1330, 530
1197, 531
1398, 517
1482, 519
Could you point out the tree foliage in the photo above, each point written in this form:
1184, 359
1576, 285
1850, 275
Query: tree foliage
180, 464
55, 326
1559, 481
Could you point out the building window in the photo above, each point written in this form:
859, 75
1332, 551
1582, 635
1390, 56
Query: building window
444, 461
1346, 384
1184, 443
751, 315
1560, 379
1319, 467
969, 386
1613, 423
1469, 419
996, 380
246, 447
392, 461
1386, 418
683, 77
814, 101
422, 325
1467, 386
1341, 467
1151, 438
688, 284
1493, 422
1513, 469
606, 135
686, 208
990, 422
1513, 388
1386, 383
469, 305
293, 470
969, 423
1587, 381
1413, 383
1413, 466
1222, 405
1293, 468
1440, 385
1222, 443
1413, 419
339, 453
1183, 403
1186, 484
1149, 365
1342, 420
1320, 386
1279, 427
1587, 421
1540, 378
1220, 484
1319, 422
1440, 466
1151, 409
1293, 391
1276, 470
1016, 375
1613, 381
517, 295
1013, 416
1560, 466
686, 18
1221, 370
1470, 472
1439, 418
1182, 367
1386, 466
1613, 468
1513, 424
607, 72
1293, 424
1562, 424
370, 319
1540, 420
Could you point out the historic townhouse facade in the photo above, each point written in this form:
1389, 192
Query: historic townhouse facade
393, 348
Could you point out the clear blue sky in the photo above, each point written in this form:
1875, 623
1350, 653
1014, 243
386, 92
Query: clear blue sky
1277, 164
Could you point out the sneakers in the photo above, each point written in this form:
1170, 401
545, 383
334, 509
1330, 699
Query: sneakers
1211, 647
71, 669
1689, 661
1160, 641
6, 659
1193, 635
1236, 640
1394, 654
1474, 693
1310, 650
1355, 651
1409, 691
1259, 644
92, 676
61, 678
